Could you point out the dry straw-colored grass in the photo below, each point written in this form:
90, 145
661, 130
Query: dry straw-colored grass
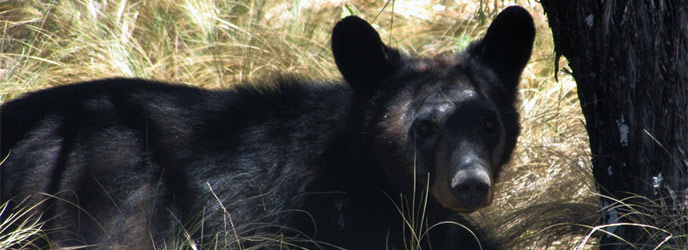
218, 43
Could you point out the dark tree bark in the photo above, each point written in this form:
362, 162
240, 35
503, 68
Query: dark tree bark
630, 61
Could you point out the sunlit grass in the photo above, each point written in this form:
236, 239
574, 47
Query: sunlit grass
20, 228
664, 222
216, 44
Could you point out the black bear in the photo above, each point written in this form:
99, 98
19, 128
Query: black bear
385, 159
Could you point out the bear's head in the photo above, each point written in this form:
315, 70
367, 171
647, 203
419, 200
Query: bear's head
445, 124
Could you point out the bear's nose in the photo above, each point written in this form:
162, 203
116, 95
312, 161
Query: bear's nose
471, 186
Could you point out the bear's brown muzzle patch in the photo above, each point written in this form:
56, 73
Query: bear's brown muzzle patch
466, 190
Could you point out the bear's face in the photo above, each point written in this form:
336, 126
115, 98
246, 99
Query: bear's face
440, 123
445, 124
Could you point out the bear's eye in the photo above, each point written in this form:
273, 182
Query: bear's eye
425, 128
489, 125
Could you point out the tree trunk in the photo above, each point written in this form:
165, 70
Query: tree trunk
630, 61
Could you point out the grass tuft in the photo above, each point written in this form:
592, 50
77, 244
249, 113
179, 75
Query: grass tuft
20, 229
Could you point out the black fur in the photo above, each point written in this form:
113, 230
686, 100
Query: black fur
129, 163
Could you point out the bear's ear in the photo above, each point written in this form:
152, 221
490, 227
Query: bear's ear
360, 55
507, 45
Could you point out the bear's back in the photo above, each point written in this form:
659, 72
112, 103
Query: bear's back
143, 145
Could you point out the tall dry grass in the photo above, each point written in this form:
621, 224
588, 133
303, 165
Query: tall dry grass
218, 43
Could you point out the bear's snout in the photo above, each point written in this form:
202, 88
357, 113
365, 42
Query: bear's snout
471, 186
